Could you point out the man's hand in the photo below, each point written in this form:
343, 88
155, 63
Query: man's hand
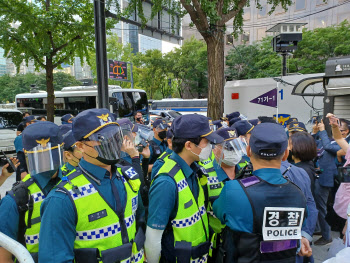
333, 121
5, 172
305, 248
146, 153
321, 126
314, 129
129, 148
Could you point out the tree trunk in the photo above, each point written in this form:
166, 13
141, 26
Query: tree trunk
216, 79
50, 108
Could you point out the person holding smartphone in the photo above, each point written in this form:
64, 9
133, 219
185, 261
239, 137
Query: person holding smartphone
6, 172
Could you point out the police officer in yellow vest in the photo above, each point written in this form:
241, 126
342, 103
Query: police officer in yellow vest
177, 225
20, 209
94, 214
71, 154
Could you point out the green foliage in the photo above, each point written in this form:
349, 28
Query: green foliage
259, 60
13, 85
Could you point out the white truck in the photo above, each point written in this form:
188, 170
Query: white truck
250, 97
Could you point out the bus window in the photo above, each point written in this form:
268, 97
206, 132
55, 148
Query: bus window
123, 107
36, 103
80, 103
10, 120
141, 103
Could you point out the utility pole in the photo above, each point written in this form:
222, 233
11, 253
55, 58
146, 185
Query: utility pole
101, 54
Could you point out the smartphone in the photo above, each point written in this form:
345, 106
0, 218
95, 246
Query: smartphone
11, 168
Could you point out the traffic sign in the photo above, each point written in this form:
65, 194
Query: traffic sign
267, 99
118, 70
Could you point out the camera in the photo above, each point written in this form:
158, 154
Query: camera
142, 145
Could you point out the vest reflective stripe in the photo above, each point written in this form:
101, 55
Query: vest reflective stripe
164, 156
191, 222
214, 187
32, 233
103, 231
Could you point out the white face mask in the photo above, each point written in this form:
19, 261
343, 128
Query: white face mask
205, 152
231, 158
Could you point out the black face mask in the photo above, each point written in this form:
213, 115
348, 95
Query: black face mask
138, 119
162, 134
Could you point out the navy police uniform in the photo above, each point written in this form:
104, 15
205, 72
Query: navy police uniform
260, 210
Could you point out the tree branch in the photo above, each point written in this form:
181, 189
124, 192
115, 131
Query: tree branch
63, 59
51, 40
201, 15
54, 51
232, 13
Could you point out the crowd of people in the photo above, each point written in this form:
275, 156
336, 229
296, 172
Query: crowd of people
101, 189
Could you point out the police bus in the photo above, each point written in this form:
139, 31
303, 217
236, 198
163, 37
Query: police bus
123, 102
183, 106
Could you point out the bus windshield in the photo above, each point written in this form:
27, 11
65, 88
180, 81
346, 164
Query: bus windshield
10, 120
129, 102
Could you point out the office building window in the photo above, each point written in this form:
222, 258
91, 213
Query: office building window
262, 12
300, 5
246, 15
229, 39
261, 33
320, 21
279, 10
322, 2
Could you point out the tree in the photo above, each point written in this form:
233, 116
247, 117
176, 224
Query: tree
13, 85
189, 66
48, 32
210, 18
318, 45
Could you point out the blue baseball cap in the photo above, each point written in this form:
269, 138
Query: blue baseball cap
234, 120
243, 127
232, 115
160, 123
227, 133
268, 140
125, 121
90, 121
68, 140
297, 126
41, 132
67, 117
194, 126
254, 121
291, 120
29, 118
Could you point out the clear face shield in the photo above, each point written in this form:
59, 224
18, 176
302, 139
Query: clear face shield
108, 144
229, 152
143, 136
127, 135
44, 158
243, 117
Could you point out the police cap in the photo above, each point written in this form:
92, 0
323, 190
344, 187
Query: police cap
243, 127
232, 115
68, 140
67, 117
297, 126
234, 120
160, 123
254, 121
29, 118
268, 140
64, 128
291, 120
41, 132
227, 133
125, 121
90, 121
194, 126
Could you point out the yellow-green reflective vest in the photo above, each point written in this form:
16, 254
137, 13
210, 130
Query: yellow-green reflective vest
65, 171
214, 188
191, 222
98, 226
32, 233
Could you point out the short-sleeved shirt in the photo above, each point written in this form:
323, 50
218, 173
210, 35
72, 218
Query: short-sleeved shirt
56, 243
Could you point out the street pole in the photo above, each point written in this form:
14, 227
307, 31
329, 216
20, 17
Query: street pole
101, 54
284, 63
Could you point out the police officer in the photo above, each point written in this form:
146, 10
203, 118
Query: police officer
20, 209
260, 211
244, 129
67, 118
22, 125
164, 156
177, 225
22, 169
71, 154
296, 127
94, 213
157, 145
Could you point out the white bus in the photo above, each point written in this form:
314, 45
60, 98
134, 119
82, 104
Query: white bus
123, 102
184, 106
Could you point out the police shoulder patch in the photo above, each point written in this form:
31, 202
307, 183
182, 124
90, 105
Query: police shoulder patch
130, 172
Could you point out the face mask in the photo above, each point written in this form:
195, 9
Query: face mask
138, 119
102, 160
231, 158
205, 152
162, 134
